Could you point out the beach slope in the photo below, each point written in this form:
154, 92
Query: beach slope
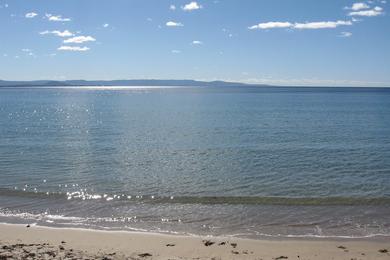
22, 242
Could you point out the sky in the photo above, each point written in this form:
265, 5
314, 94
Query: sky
279, 42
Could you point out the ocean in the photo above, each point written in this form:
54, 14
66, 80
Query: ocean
253, 162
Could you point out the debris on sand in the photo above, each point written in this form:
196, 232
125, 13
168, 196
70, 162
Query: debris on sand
208, 242
45, 251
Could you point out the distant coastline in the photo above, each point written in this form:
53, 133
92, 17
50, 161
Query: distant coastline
154, 83
134, 82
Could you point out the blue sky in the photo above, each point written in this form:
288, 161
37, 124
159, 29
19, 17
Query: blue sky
283, 42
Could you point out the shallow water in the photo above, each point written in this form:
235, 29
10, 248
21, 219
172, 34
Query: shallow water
251, 162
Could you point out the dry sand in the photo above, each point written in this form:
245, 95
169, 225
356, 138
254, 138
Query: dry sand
22, 242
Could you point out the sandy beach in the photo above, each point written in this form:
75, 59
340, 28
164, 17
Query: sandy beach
34, 242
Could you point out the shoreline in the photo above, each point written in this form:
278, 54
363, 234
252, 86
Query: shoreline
17, 239
265, 237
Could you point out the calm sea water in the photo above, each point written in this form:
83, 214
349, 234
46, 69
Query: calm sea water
249, 162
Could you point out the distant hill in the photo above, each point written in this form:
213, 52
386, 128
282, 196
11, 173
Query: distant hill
133, 82
4, 83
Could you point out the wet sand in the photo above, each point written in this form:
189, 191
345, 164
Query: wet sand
22, 242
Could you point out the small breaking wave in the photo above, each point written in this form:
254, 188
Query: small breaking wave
102, 224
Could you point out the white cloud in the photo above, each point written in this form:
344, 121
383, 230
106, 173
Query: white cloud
173, 24
106, 25
191, 6
73, 48
270, 25
26, 50
345, 34
57, 18
197, 42
172, 7
373, 12
358, 6
31, 15
80, 39
320, 25
65, 33
308, 25
355, 20
176, 51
